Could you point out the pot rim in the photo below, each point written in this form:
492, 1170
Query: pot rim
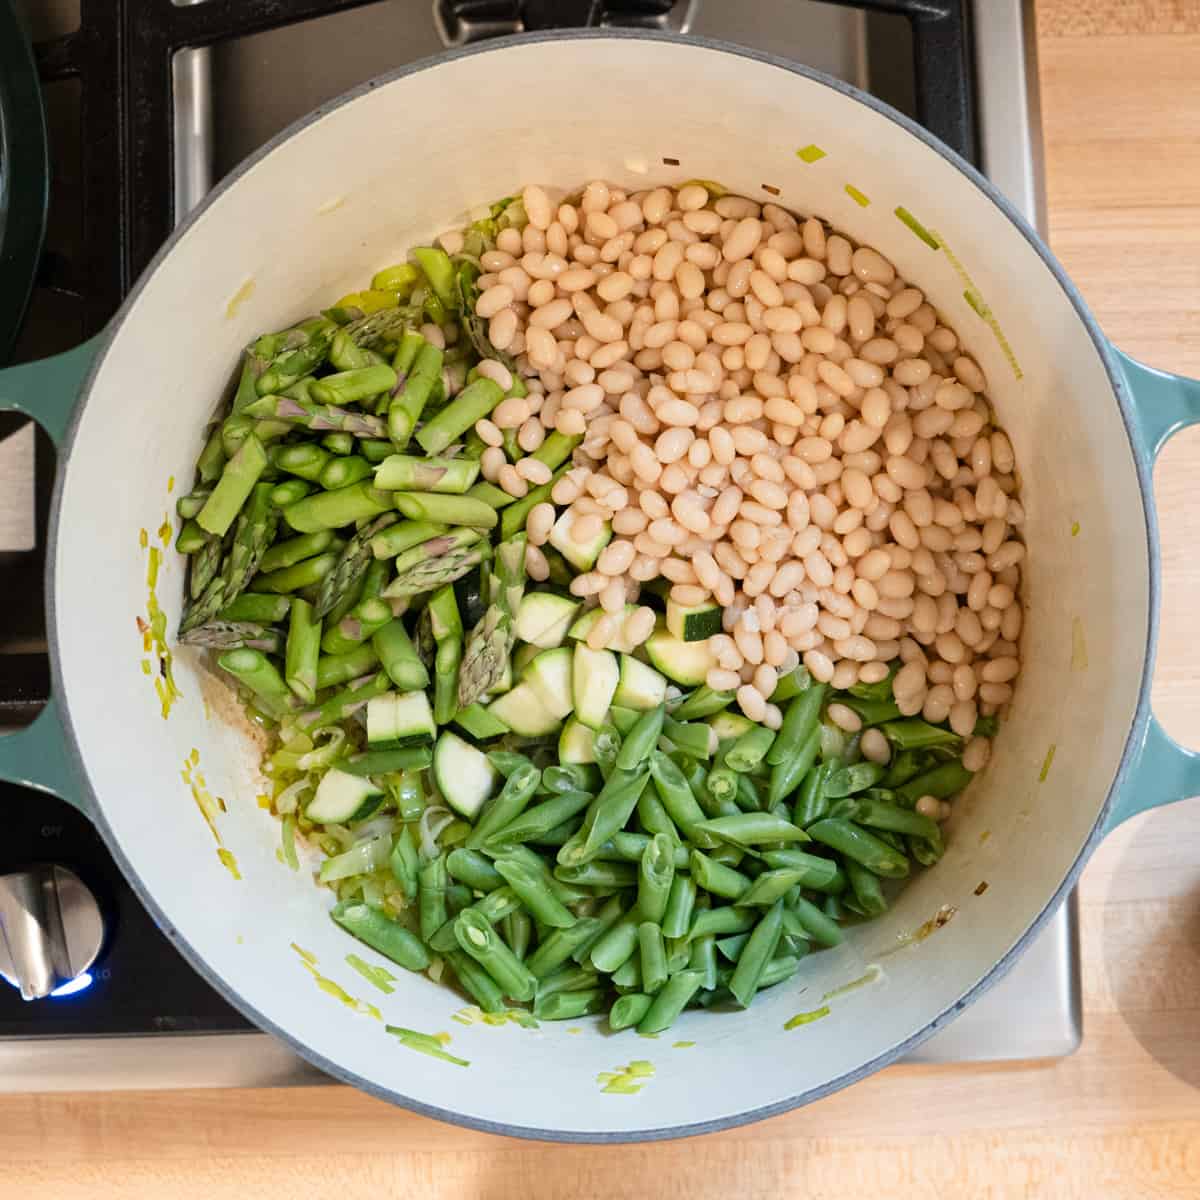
1142, 466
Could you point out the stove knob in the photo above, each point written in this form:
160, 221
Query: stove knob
51, 929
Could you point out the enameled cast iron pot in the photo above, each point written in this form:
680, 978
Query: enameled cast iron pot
349, 189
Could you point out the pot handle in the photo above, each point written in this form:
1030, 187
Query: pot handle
1161, 404
38, 756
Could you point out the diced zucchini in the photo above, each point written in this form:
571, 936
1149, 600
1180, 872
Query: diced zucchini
577, 743
543, 618
398, 717
728, 725
523, 712
617, 642
341, 798
594, 678
505, 681
639, 686
522, 657
464, 775
549, 675
479, 722
581, 555
695, 623
687, 663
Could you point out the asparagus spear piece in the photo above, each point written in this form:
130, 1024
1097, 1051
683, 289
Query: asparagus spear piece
304, 574
345, 703
474, 402
254, 532
303, 651
262, 610
402, 473
306, 347
491, 641
406, 408
398, 657
190, 505
334, 669
332, 510
437, 561
237, 479
353, 387
447, 629
405, 536
288, 553
342, 472
305, 460
489, 493
211, 462
448, 510
261, 676
233, 635
353, 561
317, 417
289, 491
513, 518
360, 623
206, 562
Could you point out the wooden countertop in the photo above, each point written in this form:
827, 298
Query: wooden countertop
1121, 1118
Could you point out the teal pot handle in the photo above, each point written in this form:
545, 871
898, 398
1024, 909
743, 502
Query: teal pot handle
38, 756
1161, 405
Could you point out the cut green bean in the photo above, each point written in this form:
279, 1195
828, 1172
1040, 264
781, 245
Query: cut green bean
942, 782
749, 749
674, 997
534, 894
381, 933
473, 869
504, 810
816, 922
476, 982
770, 886
753, 828
758, 951
703, 702
640, 740
569, 1006
653, 956
629, 1010
656, 874
681, 901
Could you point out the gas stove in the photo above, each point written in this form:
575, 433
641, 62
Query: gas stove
132, 149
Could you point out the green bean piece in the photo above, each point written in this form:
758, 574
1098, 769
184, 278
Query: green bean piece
432, 880
788, 775
656, 874
381, 933
872, 712
770, 886
473, 403
261, 676
536, 821
335, 669
758, 951
866, 889
504, 809
561, 945
473, 869
727, 854
568, 979
629, 847
816, 872
790, 686
749, 798
723, 784
941, 783
847, 781
572, 777
681, 901
612, 809
816, 922
534, 894
863, 847
518, 933
799, 723
716, 877
507, 761
514, 516
568, 1006
695, 739
722, 921
702, 956
398, 657
779, 970
617, 944
640, 740
475, 981
904, 766
811, 801
624, 719
749, 749
629, 1010
753, 828
653, 817
404, 863
363, 621
915, 734
731, 947
303, 651
878, 815
566, 893
678, 799
628, 976
653, 956
478, 937
674, 997
703, 702
597, 874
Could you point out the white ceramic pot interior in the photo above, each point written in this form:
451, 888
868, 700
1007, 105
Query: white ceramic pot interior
350, 192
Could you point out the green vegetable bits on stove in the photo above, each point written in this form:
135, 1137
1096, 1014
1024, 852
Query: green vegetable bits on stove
573, 766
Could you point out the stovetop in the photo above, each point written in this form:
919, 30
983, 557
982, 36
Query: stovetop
971, 77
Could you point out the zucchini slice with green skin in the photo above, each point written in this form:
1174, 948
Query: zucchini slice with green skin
618, 641
342, 798
686, 663
577, 744
695, 623
594, 678
523, 712
398, 717
639, 686
543, 618
549, 675
581, 555
464, 776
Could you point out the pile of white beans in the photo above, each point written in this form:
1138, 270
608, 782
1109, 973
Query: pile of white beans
773, 418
